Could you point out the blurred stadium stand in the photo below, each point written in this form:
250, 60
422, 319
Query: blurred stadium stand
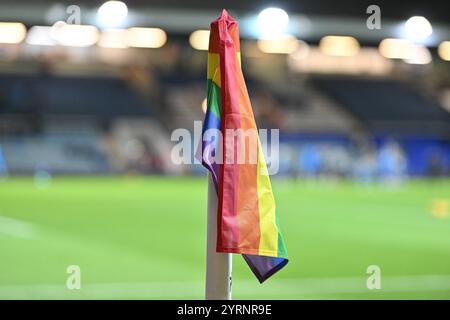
100, 125
47, 94
388, 106
97, 110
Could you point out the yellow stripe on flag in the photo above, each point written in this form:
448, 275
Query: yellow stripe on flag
214, 68
268, 242
213, 72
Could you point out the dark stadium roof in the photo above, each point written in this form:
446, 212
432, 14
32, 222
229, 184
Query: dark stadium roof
435, 10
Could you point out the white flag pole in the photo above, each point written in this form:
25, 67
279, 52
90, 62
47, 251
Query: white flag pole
218, 265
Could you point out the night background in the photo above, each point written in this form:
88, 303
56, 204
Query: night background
90, 94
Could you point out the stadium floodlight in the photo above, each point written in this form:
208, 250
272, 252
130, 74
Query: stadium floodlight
281, 45
113, 38
444, 50
419, 55
40, 36
12, 32
204, 105
199, 39
272, 22
146, 37
74, 35
392, 48
133, 37
405, 50
301, 52
112, 14
340, 46
418, 28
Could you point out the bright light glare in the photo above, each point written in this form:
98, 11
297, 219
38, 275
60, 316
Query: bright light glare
74, 35
146, 37
40, 36
408, 51
12, 32
418, 28
113, 38
367, 61
444, 50
301, 52
395, 48
199, 39
340, 46
112, 13
272, 22
419, 55
282, 45
133, 37
204, 106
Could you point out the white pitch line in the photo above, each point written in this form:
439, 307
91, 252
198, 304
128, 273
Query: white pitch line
301, 288
17, 228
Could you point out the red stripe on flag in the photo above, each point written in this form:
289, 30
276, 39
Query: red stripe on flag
228, 235
238, 213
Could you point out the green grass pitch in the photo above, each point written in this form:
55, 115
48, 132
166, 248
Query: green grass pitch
144, 238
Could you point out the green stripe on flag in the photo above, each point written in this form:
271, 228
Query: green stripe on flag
282, 251
214, 99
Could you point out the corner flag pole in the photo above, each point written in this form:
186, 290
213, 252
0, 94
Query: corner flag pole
218, 265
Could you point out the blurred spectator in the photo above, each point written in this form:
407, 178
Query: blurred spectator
391, 162
3, 168
436, 164
310, 160
364, 163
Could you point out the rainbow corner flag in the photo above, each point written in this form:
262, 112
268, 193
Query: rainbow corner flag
247, 217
